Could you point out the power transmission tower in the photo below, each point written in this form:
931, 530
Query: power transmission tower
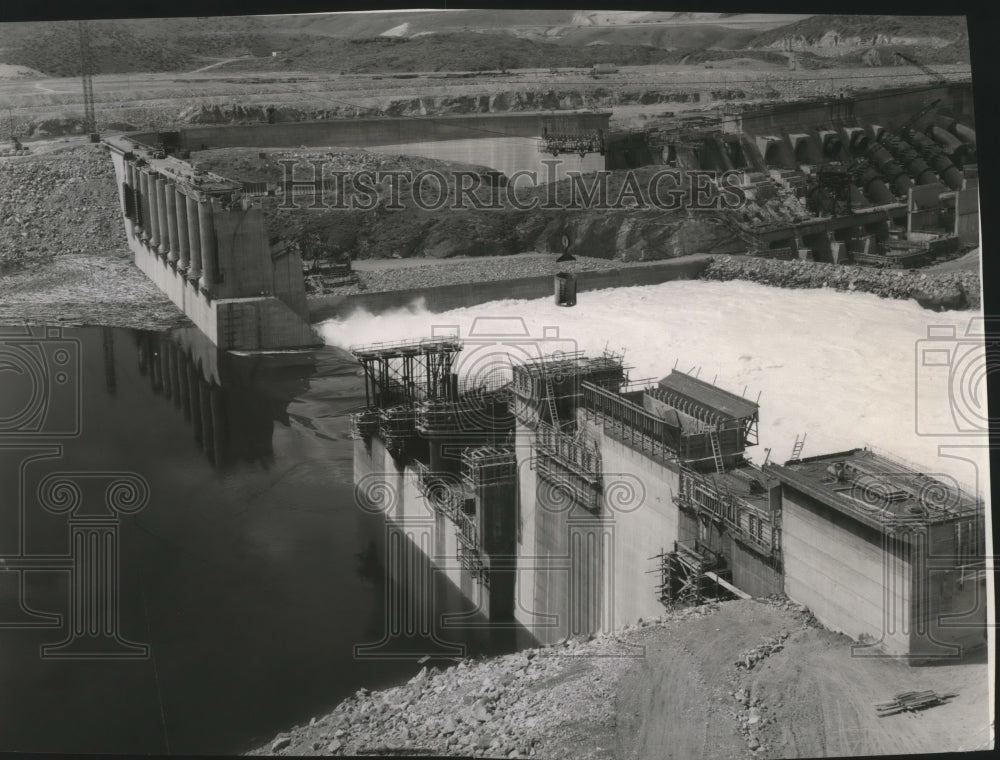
87, 74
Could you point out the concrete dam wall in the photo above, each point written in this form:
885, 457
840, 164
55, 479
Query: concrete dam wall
208, 252
889, 108
364, 133
446, 297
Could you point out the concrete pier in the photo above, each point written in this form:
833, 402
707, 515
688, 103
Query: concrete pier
131, 181
149, 178
183, 243
194, 238
619, 507
161, 216
209, 264
170, 197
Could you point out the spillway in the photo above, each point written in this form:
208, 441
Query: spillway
841, 367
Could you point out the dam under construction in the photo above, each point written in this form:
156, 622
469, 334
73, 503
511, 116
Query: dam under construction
557, 495
562, 498
884, 179
545, 487
605, 385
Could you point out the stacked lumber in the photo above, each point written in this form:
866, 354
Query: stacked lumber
910, 701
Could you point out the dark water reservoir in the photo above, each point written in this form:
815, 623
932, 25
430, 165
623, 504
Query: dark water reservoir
245, 576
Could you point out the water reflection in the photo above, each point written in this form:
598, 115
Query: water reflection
219, 393
250, 573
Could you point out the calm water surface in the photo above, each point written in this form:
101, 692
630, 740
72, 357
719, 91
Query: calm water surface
250, 573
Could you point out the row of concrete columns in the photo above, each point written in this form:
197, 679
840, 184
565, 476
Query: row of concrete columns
173, 374
175, 226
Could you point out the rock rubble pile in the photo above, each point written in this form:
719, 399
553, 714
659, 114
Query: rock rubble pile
938, 291
527, 704
59, 203
765, 649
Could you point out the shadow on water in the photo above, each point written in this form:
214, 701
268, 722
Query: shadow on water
251, 592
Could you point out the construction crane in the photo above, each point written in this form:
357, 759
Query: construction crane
936, 76
87, 75
920, 114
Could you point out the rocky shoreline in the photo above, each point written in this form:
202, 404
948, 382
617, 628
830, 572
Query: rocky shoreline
744, 679
938, 291
533, 703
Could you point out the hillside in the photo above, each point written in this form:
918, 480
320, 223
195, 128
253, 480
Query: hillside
139, 45
679, 37
859, 31
474, 40
458, 51
54, 48
533, 23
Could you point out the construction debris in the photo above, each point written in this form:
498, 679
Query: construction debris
911, 701
751, 657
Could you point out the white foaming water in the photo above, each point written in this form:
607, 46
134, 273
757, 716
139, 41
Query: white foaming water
841, 367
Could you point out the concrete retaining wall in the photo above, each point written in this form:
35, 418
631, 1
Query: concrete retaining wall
886, 108
650, 528
447, 297
949, 615
380, 481
838, 568
363, 133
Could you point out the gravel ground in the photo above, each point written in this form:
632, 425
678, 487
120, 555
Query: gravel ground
742, 679
58, 203
63, 255
86, 289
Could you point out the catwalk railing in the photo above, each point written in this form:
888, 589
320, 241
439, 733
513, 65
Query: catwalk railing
748, 523
631, 423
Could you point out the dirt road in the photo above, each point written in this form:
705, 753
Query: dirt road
813, 698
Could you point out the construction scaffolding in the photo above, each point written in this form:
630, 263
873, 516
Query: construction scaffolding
548, 389
444, 491
408, 370
709, 404
365, 424
626, 420
580, 143
691, 574
437, 417
469, 551
488, 466
397, 426
736, 499
571, 463
478, 413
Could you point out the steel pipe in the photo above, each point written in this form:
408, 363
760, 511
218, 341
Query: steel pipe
889, 168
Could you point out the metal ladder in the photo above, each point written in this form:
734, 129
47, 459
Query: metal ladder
550, 398
713, 437
797, 448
